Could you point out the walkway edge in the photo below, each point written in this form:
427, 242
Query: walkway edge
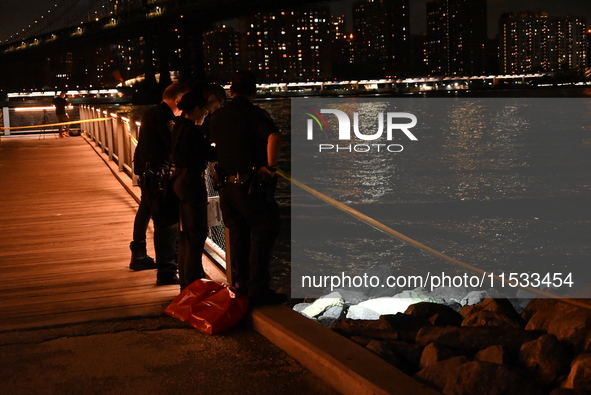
338, 361
341, 363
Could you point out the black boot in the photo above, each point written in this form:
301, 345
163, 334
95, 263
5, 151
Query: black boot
139, 257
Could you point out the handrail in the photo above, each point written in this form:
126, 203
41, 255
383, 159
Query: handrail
52, 124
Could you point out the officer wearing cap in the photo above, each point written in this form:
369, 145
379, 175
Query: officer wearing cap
248, 144
152, 162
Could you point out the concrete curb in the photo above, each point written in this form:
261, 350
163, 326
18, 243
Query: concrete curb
341, 363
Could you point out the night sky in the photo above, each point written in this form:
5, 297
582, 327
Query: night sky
15, 15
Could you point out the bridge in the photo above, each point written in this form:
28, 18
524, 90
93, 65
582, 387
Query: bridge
88, 39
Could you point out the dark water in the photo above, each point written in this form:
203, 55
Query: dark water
513, 200
503, 192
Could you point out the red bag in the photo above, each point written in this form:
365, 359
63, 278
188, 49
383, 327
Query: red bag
209, 306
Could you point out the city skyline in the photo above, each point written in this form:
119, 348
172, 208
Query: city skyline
303, 43
14, 16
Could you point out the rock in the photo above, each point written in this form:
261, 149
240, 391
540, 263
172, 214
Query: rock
405, 326
321, 305
331, 315
362, 313
433, 354
521, 300
351, 297
571, 325
400, 354
374, 329
579, 377
549, 306
491, 318
473, 298
334, 312
545, 358
450, 295
390, 305
455, 306
438, 374
418, 295
491, 312
379, 348
457, 376
436, 314
381, 306
494, 354
300, 307
468, 340
501, 306
388, 327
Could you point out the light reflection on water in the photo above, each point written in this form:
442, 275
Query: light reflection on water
503, 187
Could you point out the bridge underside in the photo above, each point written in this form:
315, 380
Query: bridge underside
87, 53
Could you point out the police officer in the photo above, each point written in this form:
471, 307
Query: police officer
152, 162
191, 152
248, 144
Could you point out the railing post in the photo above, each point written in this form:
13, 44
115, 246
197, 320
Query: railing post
95, 130
228, 250
109, 131
121, 140
6, 118
82, 117
102, 132
132, 147
127, 139
91, 126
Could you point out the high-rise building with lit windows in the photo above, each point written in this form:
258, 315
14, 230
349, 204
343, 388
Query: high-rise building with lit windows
288, 45
221, 53
343, 50
382, 35
457, 36
535, 42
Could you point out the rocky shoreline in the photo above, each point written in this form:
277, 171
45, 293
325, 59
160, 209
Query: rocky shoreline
462, 342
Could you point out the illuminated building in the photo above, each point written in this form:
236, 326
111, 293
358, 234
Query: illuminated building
343, 49
382, 35
221, 53
457, 36
533, 42
288, 45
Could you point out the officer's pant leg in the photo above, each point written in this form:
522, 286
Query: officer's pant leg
165, 244
165, 215
264, 228
192, 240
239, 235
142, 220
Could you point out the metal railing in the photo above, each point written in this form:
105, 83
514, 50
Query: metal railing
29, 119
116, 136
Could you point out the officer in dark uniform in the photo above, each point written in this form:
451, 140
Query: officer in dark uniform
152, 162
248, 144
191, 152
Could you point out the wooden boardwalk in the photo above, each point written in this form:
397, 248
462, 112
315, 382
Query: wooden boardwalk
65, 228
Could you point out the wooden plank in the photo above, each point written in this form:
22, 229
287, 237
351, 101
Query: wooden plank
65, 227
